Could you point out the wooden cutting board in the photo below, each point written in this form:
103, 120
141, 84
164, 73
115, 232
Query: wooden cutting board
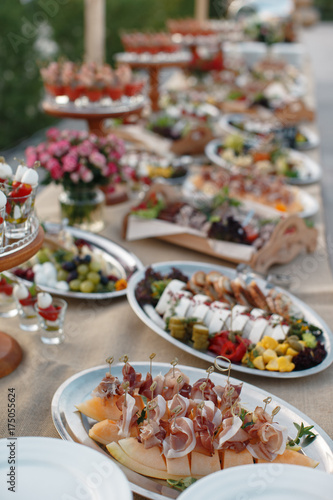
10, 354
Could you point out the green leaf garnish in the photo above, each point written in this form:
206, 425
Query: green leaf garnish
181, 484
302, 432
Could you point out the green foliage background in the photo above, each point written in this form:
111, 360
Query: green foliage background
20, 85
21, 89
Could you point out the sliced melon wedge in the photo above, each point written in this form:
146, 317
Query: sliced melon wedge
293, 458
202, 465
105, 432
100, 409
230, 458
150, 457
118, 453
179, 466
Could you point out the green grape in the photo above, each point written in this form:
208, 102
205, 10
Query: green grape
42, 256
100, 288
74, 285
82, 269
94, 277
94, 266
110, 286
62, 275
87, 286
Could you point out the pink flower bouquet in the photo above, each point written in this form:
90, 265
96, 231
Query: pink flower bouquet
77, 159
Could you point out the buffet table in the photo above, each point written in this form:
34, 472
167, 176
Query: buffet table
98, 329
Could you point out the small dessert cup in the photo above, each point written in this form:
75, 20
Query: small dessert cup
8, 307
51, 323
27, 314
18, 211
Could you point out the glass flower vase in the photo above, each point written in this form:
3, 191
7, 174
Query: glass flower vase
83, 208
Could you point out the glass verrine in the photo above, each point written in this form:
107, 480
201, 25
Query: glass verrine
19, 208
2, 227
27, 314
8, 307
51, 322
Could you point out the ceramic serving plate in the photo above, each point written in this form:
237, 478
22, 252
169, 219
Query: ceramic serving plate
124, 262
309, 171
149, 316
52, 469
73, 426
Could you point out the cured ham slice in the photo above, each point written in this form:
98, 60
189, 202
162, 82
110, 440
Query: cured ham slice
108, 387
128, 416
159, 411
180, 401
207, 394
171, 386
181, 440
132, 377
151, 434
230, 426
272, 439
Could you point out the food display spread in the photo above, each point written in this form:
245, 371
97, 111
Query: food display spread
170, 428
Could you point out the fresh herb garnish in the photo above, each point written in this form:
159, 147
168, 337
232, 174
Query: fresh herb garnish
181, 484
302, 432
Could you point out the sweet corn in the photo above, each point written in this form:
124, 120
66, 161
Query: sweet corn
268, 355
259, 363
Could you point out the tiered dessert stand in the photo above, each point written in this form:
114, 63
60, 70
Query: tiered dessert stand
15, 253
154, 64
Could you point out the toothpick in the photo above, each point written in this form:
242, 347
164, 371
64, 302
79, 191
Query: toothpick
174, 363
151, 357
267, 401
200, 407
179, 381
202, 388
275, 411
152, 388
218, 367
124, 358
209, 372
125, 386
110, 360
176, 410
36, 164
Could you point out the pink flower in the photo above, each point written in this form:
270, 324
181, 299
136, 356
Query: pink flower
86, 174
59, 148
40, 148
97, 159
53, 134
69, 162
54, 167
44, 158
112, 168
75, 177
85, 148
31, 156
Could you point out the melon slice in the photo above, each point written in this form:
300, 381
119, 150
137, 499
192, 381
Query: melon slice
291, 457
100, 409
230, 458
179, 466
202, 465
105, 432
118, 453
150, 457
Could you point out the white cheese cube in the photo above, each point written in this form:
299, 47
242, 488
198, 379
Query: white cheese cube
173, 287
258, 329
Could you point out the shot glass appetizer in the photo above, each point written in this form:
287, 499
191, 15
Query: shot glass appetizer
3, 202
20, 194
8, 307
51, 316
6, 173
25, 300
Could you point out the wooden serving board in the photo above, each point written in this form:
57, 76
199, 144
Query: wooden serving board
10, 354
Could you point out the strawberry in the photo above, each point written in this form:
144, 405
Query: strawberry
50, 313
1, 220
29, 301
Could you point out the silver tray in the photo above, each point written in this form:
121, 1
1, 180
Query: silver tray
73, 426
124, 261
313, 138
149, 316
309, 171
